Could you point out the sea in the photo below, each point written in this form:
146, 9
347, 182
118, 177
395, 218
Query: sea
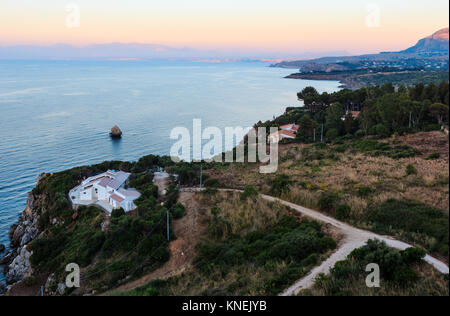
55, 115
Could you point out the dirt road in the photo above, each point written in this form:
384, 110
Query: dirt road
353, 238
189, 231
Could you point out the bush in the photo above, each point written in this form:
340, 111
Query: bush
178, 211
29, 281
360, 133
343, 212
211, 183
413, 256
364, 191
332, 134
410, 169
249, 192
328, 202
432, 127
413, 218
116, 213
280, 184
381, 130
434, 156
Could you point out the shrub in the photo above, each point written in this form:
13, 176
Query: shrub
360, 133
364, 191
332, 133
413, 255
212, 183
343, 212
434, 156
178, 211
116, 213
249, 192
280, 184
410, 169
413, 218
432, 127
340, 148
381, 130
29, 281
328, 202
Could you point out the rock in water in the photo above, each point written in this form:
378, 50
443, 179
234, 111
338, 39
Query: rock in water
115, 132
2, 248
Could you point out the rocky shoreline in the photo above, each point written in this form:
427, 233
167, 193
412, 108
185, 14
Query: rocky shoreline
16, 261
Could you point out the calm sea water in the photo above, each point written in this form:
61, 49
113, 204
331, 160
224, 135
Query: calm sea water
56, 115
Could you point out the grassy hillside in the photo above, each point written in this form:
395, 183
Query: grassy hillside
252, 247
397, 186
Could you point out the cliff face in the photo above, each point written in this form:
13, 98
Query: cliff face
16, 261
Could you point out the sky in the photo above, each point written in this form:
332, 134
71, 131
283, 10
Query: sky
355, 26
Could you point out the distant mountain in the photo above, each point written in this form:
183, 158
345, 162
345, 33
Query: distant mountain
96, 51
430, 53
139, 51
436, 43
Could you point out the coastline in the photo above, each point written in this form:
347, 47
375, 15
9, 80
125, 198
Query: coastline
355, 80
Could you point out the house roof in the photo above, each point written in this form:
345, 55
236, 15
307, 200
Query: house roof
287, 126
287, 134
355, 114
119, 178
129, 193
104, 182
117, 198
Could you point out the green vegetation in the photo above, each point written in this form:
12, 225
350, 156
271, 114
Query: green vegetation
375, 148
402, 273
259, 261
434, 156
410, 169
384, 110
416, 222
249, 192
126, 246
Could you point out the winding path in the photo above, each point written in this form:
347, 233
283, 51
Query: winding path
353, 238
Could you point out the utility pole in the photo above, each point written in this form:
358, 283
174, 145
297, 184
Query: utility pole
321, 134
168, 227
201, 175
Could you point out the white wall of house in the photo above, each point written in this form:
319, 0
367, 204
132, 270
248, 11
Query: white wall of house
102, 194
86, 194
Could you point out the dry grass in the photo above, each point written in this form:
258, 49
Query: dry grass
431, 283
348, 171
243, 216
246, 280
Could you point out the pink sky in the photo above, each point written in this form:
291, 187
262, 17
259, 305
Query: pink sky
282, 25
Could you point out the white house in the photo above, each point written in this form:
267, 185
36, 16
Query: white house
107, 190
288, 131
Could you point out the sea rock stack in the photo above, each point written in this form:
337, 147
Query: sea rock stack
115, 132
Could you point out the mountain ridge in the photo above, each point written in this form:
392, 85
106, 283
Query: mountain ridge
437, 42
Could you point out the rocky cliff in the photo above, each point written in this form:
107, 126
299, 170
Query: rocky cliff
16, 261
